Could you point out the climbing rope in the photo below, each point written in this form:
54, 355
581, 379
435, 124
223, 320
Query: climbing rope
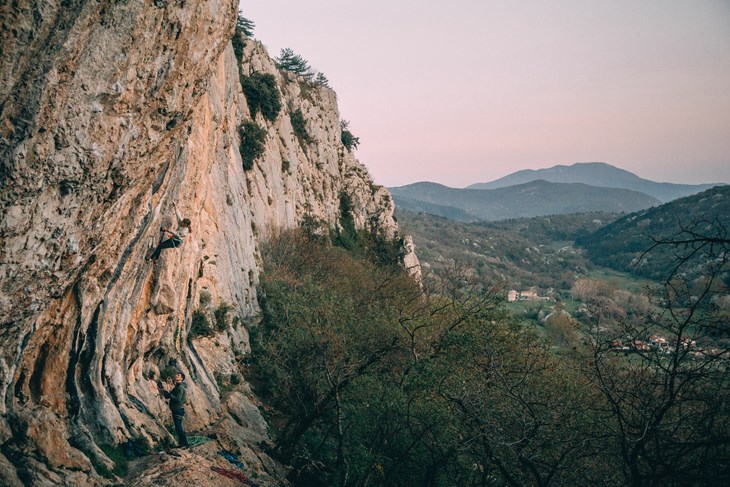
197, 440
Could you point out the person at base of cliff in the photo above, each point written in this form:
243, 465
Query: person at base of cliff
177, 397
170, 239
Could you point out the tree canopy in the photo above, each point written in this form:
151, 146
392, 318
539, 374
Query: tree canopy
380, 381
377, 380
244, 28
290, 61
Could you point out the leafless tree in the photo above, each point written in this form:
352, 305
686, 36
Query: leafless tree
667, 398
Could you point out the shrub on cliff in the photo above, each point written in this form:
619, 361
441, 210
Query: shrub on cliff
200, 326
345, 235
299, 126
262, 95
252, 143
222, 319
348, 139
371, 244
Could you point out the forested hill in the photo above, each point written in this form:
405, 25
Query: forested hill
621, 243
446, 211
523, 252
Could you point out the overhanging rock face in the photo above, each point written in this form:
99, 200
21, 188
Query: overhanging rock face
110, 112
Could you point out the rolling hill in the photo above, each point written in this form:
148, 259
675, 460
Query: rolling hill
598, 174
621, 243
537, 198
418, 206
522, 252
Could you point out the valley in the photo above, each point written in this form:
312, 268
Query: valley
594, 271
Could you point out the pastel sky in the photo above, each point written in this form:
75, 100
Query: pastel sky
468, 91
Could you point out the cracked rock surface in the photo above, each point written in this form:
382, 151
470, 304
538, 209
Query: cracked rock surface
111, 113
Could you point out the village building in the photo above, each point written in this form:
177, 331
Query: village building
529, 295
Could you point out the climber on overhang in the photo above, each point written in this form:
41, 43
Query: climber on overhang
170, 239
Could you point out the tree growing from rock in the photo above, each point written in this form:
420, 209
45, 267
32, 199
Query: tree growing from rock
290, 61
347, 138
244, 28
321, 80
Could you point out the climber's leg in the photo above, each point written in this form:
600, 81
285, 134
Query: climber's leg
167, 244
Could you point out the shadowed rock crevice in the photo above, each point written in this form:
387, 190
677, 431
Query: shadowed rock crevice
84, 365
35, 379
73, 401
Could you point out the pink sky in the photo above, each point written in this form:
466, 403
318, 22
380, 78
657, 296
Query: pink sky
468, 91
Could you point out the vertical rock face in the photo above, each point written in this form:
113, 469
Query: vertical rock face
110, 112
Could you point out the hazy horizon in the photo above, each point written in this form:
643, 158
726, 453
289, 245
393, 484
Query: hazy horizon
476, 90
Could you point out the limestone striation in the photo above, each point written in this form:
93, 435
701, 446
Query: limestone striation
110, 114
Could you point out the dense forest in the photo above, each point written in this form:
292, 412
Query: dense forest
375, 379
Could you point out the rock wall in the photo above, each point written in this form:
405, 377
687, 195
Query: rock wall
111, 112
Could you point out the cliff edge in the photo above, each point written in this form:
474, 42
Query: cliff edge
110, 114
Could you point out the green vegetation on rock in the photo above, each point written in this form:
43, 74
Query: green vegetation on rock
262, 95
244, 28
200, 325
348, 138
299, 125
252, 143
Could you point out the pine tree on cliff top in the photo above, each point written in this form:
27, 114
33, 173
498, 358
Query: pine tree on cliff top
288, 60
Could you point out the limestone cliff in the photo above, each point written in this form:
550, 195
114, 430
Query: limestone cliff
110, 112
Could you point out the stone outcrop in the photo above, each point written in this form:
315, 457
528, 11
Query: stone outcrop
110, 113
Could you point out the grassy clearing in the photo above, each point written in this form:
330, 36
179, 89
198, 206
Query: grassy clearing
622, 280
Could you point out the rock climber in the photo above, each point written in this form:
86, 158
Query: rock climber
177, 397
170, 239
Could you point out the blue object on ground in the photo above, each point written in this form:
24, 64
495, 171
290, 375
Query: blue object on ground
232, 458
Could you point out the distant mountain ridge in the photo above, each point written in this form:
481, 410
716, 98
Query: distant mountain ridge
446, 211
536, 198
598, 174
